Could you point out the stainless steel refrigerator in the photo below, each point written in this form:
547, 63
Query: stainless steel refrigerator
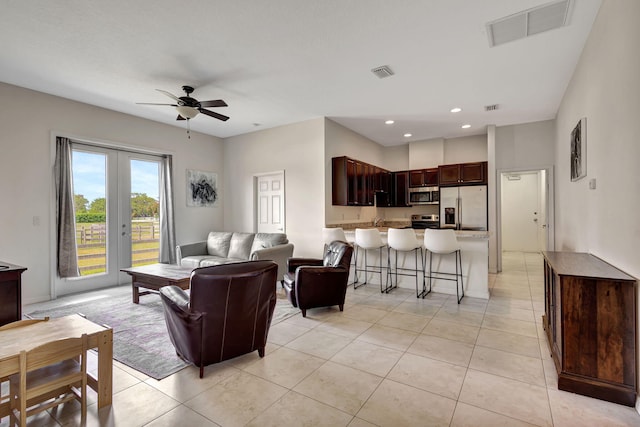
463, 208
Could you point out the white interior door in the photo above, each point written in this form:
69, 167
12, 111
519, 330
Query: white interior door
543, 222
520, 212
270, 212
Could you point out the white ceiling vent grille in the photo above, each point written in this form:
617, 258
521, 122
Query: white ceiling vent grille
529, 22
491, 107
382, 71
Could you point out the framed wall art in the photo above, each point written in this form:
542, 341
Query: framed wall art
202, 188
579, 150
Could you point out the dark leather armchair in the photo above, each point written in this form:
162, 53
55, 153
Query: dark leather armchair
311, 283
227, 314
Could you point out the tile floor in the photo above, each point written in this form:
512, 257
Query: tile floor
387, 360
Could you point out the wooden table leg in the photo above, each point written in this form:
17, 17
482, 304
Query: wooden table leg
105, 368
134, 288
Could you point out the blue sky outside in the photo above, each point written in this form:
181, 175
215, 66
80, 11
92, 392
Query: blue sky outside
89, 176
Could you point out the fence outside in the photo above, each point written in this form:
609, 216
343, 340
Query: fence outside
92, 245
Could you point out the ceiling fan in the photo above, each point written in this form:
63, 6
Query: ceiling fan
189, 107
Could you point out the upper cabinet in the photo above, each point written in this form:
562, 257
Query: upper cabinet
354, 183
400, 193
423, 178
463, 174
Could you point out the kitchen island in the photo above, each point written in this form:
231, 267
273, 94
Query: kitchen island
475, 264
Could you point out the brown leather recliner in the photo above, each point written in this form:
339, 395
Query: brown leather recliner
311, 283
227, 314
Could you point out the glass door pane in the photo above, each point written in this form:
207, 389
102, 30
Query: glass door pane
90, 200
144, 211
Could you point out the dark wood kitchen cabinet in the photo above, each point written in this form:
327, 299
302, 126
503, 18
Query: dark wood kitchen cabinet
590, 321
10, 292
462, 174
400, 196
382, 180
423, 178
352, 182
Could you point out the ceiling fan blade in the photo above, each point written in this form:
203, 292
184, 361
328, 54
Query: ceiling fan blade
214, 103
180, 117
170, 95
212, 114
153, 103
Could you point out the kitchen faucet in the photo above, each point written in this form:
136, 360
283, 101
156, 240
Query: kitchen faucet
377, 221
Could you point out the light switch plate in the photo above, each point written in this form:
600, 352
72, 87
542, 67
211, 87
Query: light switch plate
592, 184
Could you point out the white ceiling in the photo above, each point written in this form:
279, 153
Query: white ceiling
284, 61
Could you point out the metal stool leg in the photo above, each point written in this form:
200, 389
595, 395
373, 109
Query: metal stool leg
459, 259
355, 267
380, 265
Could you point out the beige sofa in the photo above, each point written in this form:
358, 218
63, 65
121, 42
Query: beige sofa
222, 247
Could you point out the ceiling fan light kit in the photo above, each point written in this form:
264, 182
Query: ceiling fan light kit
187, 112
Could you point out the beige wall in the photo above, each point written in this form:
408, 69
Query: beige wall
466, 149
296, 149
528, 145
426, 154
28, 123
605, 89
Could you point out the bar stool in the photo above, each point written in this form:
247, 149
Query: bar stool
443, 242
404, 240
366, 239
330, 234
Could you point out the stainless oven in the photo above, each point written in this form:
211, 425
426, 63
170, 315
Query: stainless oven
424, 196
425, 221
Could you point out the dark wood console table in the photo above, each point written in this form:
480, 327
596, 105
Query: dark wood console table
10, 292
590, 320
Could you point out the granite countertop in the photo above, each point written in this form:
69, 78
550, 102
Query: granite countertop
369, 224
460, 234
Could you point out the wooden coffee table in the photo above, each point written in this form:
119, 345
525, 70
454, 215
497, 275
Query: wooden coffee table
155, 276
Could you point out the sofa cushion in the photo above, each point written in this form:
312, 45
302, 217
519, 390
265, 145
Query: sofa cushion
215, 260
218, 243
193, 261
240, 245
268, 240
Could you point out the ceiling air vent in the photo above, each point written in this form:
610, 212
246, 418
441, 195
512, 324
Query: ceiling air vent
491, 107
382, 71
528, 22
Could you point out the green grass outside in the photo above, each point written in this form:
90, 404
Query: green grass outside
99, 252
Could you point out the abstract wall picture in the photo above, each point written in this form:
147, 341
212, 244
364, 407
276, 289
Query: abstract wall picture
579, 150
202, 188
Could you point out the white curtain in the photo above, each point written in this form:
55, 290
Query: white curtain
167, 224
66, 251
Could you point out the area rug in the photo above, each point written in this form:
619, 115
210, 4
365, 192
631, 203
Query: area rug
140, 337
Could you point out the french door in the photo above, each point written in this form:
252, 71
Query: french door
116, 195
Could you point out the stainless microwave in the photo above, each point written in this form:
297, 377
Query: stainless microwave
424, 196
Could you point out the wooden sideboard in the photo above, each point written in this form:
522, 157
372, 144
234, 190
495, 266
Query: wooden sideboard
10, 292
590, 320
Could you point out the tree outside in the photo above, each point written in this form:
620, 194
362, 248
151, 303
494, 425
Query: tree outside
143, 206
99, 205
80, 203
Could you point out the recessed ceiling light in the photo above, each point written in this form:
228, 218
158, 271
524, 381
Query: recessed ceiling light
389, 122
456, 110
408, 135
466, 126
